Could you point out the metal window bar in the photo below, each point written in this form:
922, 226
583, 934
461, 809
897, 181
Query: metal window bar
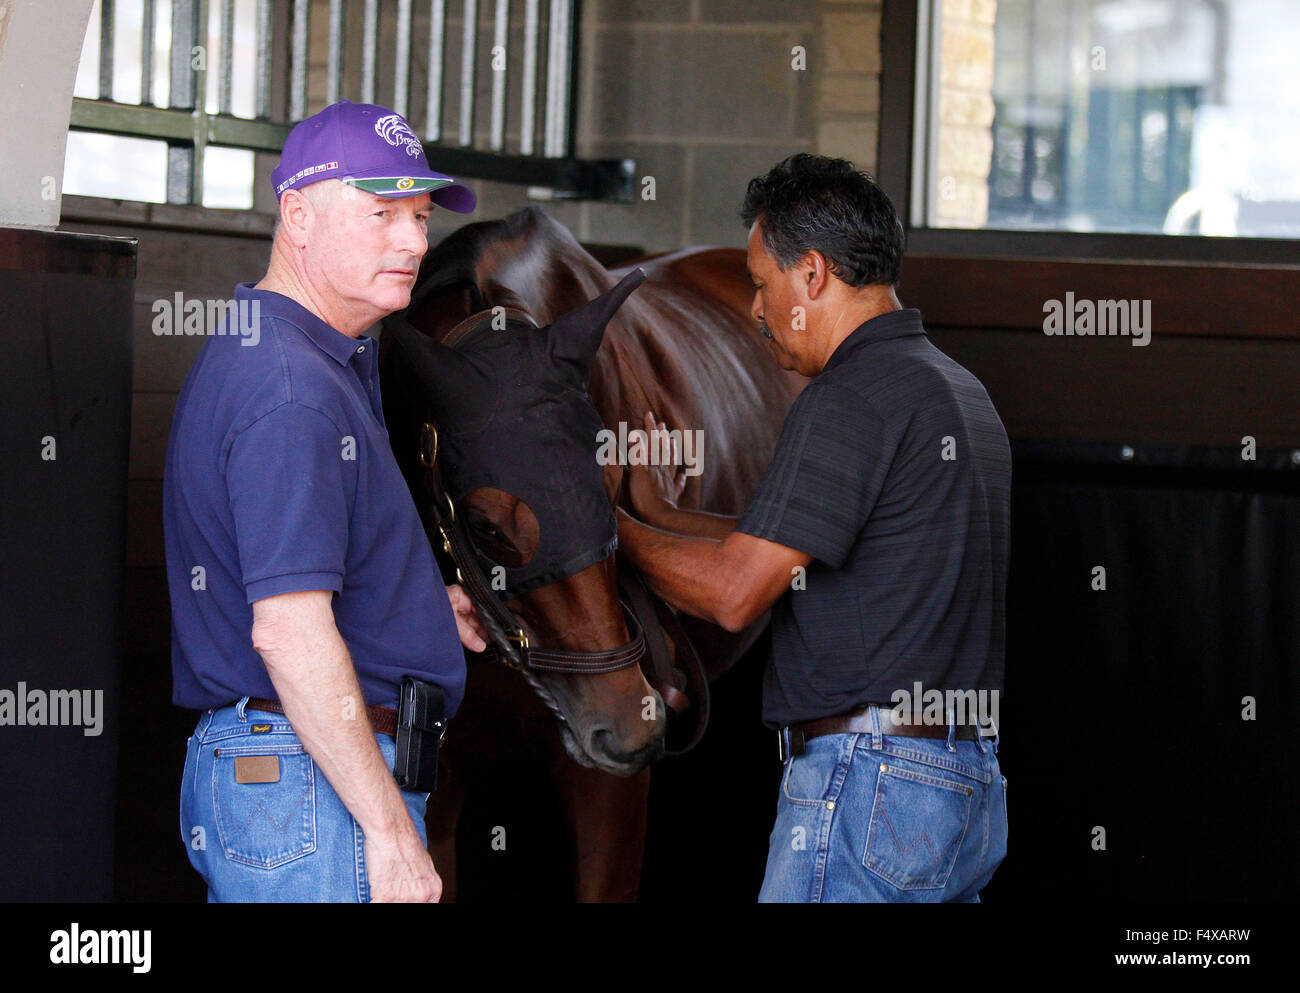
188, 84
187, 127
263, 97
106, 50
528, 96
402, 59
369, 50
334, 73
557, 80
500, 50
468, 41
146, 52
433, 98
298, 70
227, 55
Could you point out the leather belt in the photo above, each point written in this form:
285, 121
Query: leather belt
382, 719
893, 723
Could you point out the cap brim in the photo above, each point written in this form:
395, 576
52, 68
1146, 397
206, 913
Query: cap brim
445, 192
456, 198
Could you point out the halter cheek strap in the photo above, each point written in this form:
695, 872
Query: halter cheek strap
509, 639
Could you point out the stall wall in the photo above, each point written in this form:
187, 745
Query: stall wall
65, 402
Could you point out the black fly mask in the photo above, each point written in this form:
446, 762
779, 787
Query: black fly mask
513, 414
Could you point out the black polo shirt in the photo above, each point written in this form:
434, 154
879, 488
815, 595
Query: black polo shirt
894, 473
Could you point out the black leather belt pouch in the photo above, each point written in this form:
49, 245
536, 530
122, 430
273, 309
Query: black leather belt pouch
420, 723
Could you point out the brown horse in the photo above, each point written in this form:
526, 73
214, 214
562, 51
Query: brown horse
683, 345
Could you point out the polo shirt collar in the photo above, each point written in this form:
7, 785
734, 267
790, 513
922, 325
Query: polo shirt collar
893, 324
333, 343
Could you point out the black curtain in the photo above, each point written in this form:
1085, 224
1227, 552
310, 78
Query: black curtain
1154, 708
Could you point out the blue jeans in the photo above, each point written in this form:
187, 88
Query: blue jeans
288, 841
864, 818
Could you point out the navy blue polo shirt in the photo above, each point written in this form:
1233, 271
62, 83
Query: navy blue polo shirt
894, 473
280, 479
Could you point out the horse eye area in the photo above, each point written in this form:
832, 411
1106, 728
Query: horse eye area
502, 526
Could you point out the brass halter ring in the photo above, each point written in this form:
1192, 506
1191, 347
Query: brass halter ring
428, 456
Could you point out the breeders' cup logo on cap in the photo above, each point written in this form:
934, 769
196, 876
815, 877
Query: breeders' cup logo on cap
397, 132
405, 184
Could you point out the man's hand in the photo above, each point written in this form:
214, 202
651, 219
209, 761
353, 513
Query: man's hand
313, 675
730, 580
653, 488
401, 873
473, 635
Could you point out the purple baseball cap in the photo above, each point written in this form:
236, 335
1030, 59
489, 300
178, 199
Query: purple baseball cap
368, 147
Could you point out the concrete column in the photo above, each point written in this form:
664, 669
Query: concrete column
40, 47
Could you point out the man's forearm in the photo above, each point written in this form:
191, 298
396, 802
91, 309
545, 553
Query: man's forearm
696, 523
684, 570
317, 685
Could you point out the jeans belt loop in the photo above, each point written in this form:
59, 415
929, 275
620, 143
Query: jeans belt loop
877, 738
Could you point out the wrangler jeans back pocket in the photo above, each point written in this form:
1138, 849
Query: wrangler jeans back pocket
918, 822
265, 825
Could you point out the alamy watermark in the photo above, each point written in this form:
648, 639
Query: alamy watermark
940, 708
1098, 317
635, 447
181, 316
95, 947
53, 708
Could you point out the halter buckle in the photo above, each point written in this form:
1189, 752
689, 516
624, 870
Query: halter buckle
521, 639
428, 456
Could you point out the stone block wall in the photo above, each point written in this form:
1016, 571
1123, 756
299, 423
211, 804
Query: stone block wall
965, 111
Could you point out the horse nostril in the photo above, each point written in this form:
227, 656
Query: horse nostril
601, 743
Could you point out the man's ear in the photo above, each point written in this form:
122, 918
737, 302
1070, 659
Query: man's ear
294, 210
815, 273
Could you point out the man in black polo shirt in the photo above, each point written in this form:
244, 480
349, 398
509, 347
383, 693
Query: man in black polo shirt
878, 538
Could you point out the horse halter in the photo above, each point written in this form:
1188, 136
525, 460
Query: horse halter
509, 639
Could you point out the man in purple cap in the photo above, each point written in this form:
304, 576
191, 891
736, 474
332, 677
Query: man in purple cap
305, 598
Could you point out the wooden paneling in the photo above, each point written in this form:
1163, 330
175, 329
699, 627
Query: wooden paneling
1236, 301
1223, 361
1180, 389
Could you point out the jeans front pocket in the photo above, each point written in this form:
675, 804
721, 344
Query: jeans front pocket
808, 778
918, 822
265, 825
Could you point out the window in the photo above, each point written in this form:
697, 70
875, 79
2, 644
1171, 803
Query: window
114, 67
1178, 117
489, 83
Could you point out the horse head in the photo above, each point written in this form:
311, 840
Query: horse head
517, 441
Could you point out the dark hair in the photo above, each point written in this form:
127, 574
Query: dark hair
813, 202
